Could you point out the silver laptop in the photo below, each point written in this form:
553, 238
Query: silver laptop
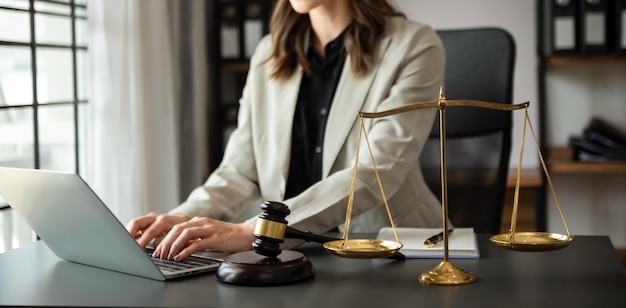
78, 227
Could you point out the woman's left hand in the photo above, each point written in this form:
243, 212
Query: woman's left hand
202, 233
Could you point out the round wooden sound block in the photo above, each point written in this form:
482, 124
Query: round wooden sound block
252, 269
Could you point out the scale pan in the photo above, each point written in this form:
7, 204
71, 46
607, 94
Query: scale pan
532, 241
363, 248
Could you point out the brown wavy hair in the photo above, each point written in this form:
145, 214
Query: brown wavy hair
290, 32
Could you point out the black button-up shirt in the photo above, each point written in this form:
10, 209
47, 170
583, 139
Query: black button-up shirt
316, 94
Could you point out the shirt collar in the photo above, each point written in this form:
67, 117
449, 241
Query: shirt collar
333, 48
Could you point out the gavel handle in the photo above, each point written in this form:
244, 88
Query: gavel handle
308, 236
312, 237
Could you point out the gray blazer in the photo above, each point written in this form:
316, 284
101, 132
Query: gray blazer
408, 67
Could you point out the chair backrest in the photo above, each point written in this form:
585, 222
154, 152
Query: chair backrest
479, 66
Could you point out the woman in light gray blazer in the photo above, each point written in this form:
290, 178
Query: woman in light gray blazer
295, 142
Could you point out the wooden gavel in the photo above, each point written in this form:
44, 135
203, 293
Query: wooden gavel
271, 230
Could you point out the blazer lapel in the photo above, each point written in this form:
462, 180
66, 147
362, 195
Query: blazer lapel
349, 98
286, 99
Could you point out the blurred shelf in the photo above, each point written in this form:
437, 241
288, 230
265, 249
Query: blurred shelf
556, 60
531, 177
235, 67
561, 161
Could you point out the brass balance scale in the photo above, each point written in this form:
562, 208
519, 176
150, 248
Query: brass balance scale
446, 273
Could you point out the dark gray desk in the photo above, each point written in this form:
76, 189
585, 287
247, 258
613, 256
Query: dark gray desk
585, 274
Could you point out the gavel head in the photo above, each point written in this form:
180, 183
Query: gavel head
270, 229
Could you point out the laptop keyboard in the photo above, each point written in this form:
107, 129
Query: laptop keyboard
189, 263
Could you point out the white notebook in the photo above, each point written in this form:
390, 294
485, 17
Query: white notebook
461, 242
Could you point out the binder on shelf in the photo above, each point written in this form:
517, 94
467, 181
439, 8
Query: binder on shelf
606, 134
596, 26
230, 29
565, 26
589, 151
230, 113
254, 24
600, 142
620, 26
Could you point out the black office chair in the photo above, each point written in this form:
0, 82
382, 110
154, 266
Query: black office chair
480, 65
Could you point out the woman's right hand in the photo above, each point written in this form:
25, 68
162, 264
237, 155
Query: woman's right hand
153, 226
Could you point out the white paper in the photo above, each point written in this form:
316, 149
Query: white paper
461, 242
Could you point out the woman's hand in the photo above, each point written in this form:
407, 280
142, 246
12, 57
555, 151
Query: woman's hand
153, 226
201, 233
